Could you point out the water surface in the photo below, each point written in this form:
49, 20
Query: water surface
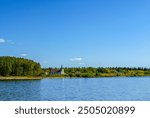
77, 89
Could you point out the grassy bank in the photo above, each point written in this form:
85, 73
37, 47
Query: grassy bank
101, 75
20, 78
67, 76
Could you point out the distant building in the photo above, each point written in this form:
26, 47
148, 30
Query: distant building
58, 72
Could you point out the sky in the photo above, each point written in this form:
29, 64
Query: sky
77, 33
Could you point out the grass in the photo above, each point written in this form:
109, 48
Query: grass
20, 78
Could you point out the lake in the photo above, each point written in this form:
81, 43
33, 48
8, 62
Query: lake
77, 89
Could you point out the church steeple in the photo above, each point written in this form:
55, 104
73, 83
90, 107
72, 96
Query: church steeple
61, 66
62, 69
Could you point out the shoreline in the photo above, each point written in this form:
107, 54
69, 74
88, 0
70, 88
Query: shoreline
95, 77
19, 78
40, 77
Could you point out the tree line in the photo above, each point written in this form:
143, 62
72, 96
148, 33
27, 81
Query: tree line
101, 72
13, 66
106, 72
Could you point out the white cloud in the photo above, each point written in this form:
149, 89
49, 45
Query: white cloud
81, 63
2, 40
23, 55
10, 41
76, 59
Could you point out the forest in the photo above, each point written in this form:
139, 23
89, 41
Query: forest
13, 66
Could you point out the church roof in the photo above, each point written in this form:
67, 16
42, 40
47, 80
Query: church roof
54, 70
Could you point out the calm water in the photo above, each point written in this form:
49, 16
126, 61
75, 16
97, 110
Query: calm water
120, 88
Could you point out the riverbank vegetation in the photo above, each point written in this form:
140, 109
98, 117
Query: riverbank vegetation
106, 72
12, 66
103, 72
19, 68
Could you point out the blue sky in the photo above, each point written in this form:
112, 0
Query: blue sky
77, 33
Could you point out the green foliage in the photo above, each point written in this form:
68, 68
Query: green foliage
106, 72
12, 66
